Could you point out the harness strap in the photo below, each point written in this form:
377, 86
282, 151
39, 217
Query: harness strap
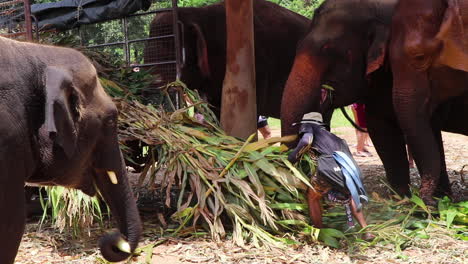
352, 178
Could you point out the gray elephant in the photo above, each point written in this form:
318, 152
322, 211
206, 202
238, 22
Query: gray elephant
58, 127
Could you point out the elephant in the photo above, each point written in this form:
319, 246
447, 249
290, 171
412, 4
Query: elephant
345, 49
277, 31
429, 62
59, 127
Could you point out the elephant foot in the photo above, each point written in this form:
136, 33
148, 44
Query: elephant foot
429, 200
402, 190
443, 191
427, 191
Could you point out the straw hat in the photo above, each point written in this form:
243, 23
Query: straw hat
313, 116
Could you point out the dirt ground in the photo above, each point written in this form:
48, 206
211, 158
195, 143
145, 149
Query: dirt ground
49, 246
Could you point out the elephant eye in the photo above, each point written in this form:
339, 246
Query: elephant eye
111, 121
325, 47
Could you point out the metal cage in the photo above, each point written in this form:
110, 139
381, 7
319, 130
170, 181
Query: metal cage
15, 19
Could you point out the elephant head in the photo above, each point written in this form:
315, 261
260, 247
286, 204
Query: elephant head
428, 53
77, 143
345, 45
440, 39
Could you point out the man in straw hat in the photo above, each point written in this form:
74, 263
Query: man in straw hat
337, 175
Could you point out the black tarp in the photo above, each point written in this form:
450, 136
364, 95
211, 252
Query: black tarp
68, 14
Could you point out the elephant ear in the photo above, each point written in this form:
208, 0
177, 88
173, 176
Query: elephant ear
378, 44
61, 103
202, 51
453, 33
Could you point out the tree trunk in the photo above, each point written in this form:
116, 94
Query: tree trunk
239, 104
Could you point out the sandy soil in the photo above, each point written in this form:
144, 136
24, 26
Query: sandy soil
49, 246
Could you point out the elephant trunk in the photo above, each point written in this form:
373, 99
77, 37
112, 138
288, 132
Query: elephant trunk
302, 93
112, 182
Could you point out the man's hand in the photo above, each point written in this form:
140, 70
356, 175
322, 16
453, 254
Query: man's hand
305, 141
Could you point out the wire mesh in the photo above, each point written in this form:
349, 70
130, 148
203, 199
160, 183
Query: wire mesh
12, 23
137, 41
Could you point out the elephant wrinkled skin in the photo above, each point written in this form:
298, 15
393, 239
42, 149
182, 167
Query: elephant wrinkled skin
58, 127
429, 56
347, 48
277, 31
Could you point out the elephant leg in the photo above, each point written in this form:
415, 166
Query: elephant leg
443, 188
15, 164
426, 153
389, 143
411, 100
12, 205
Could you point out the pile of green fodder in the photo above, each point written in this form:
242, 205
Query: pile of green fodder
225, 183
244, 190
228, 186
72, 210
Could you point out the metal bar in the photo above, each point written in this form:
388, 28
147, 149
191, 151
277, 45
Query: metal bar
129, 41
126, 46
162, 10
155, 63
106, 44
13, 35
182, 39
177, 37
151, 38
27, 20
11, 3
80, 33
176, 32
36, 23
132, 15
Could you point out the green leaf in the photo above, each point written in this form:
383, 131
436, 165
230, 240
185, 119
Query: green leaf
418, 225
450, 216
292, 222
463, 236
184, 213
332, 232
419, 202
328, 240
422, 235
290, 206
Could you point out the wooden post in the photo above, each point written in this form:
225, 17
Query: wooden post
238, 103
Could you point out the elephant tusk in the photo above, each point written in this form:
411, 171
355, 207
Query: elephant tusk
112, 177
124, 246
